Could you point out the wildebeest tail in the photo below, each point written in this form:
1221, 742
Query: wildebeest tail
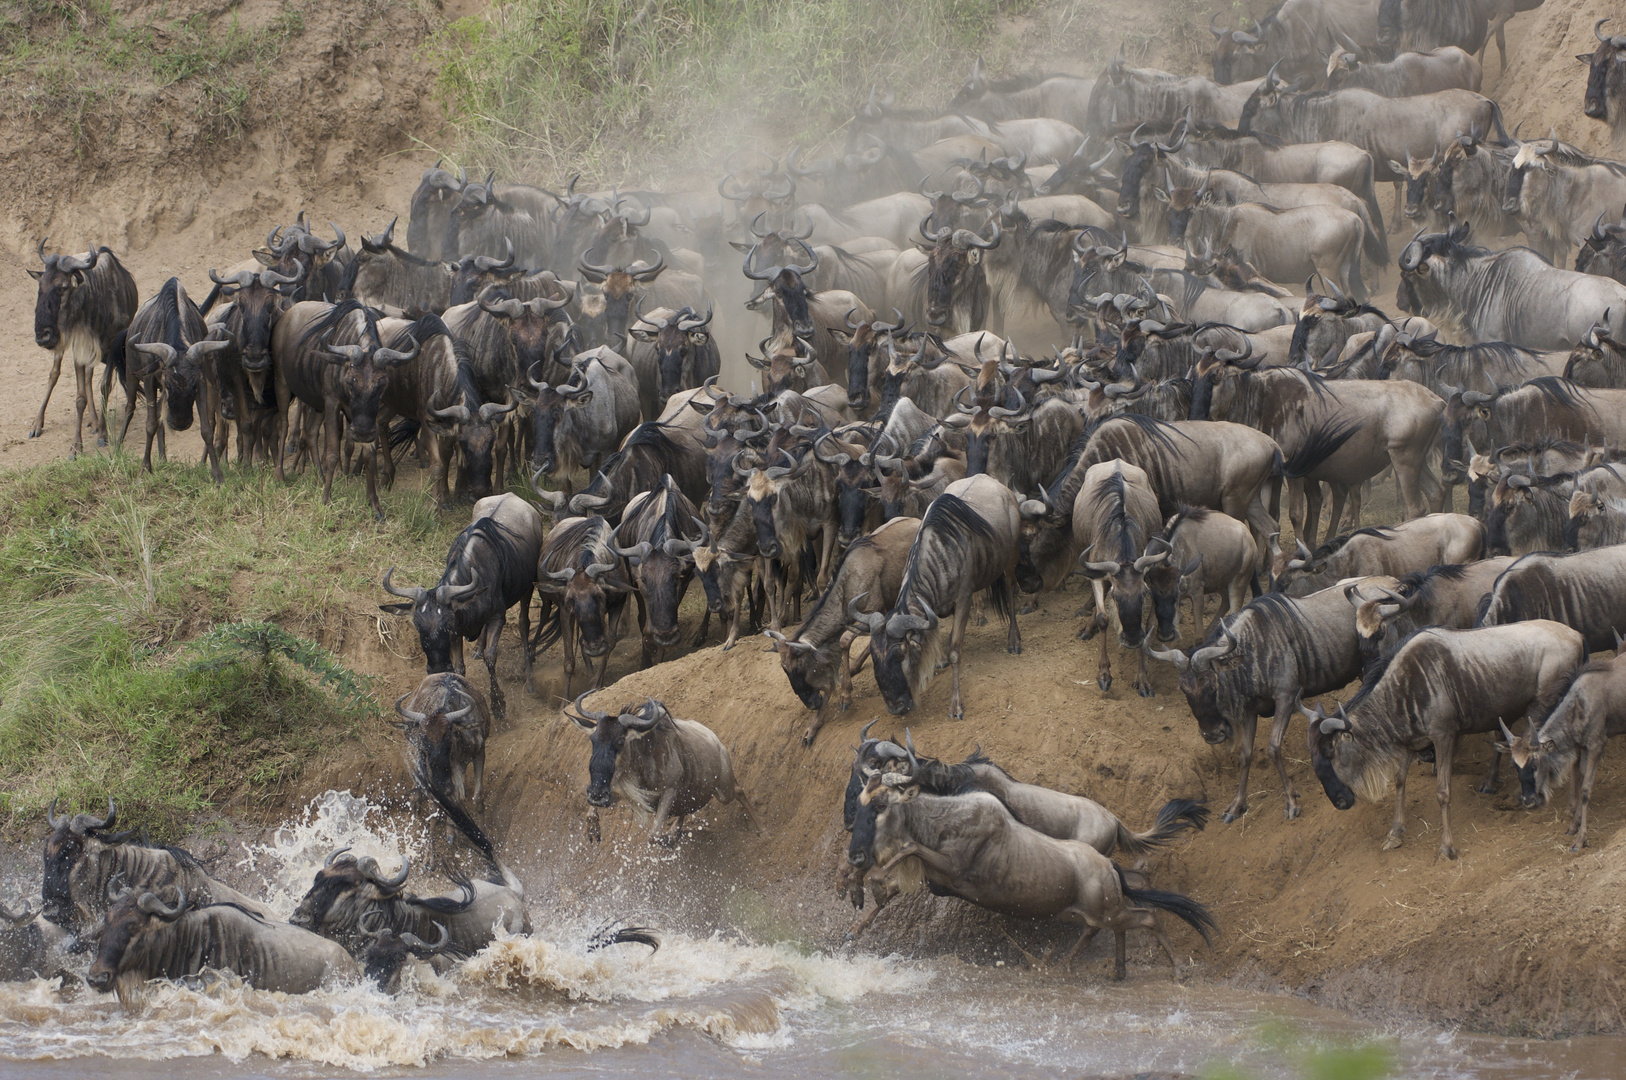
1376, 243
1325, 441
548, 631
1176, 817
115, 355
1496, 118
1183, 908
606, 936
403, 432
465, 824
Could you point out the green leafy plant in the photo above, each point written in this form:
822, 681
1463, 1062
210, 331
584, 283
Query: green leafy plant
231, 642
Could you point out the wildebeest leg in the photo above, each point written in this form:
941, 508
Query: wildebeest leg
332, 438
1397, 828
1406, 475
644, 634
849, 668
826, 556
82, 389
567, 644
1013, 632
56, 373
488, 653
1583, 771
1400, 202
662, 808
745, 801
1103, 677
1143, 683
479, 763
1083, 940
101, 413
1312, 514
208, 409
1278, 731
1493, 775
457, 654
1244, 754
1335, 512
155, 424
1444, 750
132, 393
932, 859
603, 664
370, 459
962, 612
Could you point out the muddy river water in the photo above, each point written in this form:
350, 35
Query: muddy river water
706, 1006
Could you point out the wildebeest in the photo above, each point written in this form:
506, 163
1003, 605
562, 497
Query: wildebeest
1542, 408
1594, 521
145, 938
1597, 360
952, 285
816, 658
1203, 551
1115, 516
1257, 662
254, 303
171, 348
1065, 97
446, 723
22, 944
1525, 514
490, 567
1285, 244
1558, 194
1438, 685
1580, 590
972, 847
351, 896
578, 424
662, 765
83, 857
1408, 74
1446, 595
1418, 25
1123, 93
1512, 295
1396, 551
583, 587
1571, 740
967, 542
657, 536
81, 309
673, 444
672, 351
1606, 77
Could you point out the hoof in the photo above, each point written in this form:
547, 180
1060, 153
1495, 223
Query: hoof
36, 433
1447, 851
727, 647
1292, 811
1014, 650
808, 736
1575, 848
1104, 682
1231, 815
960, 715
1488, 789
1391, 842
1146, 690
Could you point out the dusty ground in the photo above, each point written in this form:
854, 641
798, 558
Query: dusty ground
1517, 934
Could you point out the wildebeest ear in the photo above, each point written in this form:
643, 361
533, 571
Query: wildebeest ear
36, 274
1584, 57
395, 609
583, 398
841, 336
265, 258
737, 246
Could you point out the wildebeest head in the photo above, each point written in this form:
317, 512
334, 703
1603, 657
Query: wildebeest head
476, 433
1164, 578
861, 340
715, 566
903, 647
432, 736
1603, 253
1127, 580
609, 733
289, 249
1237, 54
363, 376
1530, 155
386, 953
1265, 103
663, 563
855, 484
434, 615
129, 915
679, 340
552, 403
343, 891
259, 299
870, 758
1375, 629
1513, 508
787, 363
953, 267
1182, 202
769, 195
1418, 288
1606, 74
473, 274
63, 849
984, 425
61, 276
893, 782
1464, 422
785, 288
536, 329
1420, 174
1200, 681
438, 189
1079, 175
474, 202
1331, 745
181, 374
623, 288
762, 490
1140, 155
585, 590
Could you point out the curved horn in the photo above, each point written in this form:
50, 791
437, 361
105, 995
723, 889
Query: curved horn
328, 863
150, 904
415, 717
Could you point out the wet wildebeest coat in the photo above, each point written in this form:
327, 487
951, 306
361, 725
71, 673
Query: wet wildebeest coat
968, 541
1449, 595
144, 938
816, 658
1572, 739
490, 567
81, 310
1581, 591
1512, 295
578, 424
662, 765
22, 945
446, 723
1257, 663
971, 846
1209, 552
657, 536
82, 858
167, 349
1396, 551
1438, 685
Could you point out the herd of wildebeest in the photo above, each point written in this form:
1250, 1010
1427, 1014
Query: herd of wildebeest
1051, 329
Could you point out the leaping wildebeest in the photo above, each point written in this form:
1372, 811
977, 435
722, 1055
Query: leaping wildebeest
82, 308
662, 765
1438, 685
